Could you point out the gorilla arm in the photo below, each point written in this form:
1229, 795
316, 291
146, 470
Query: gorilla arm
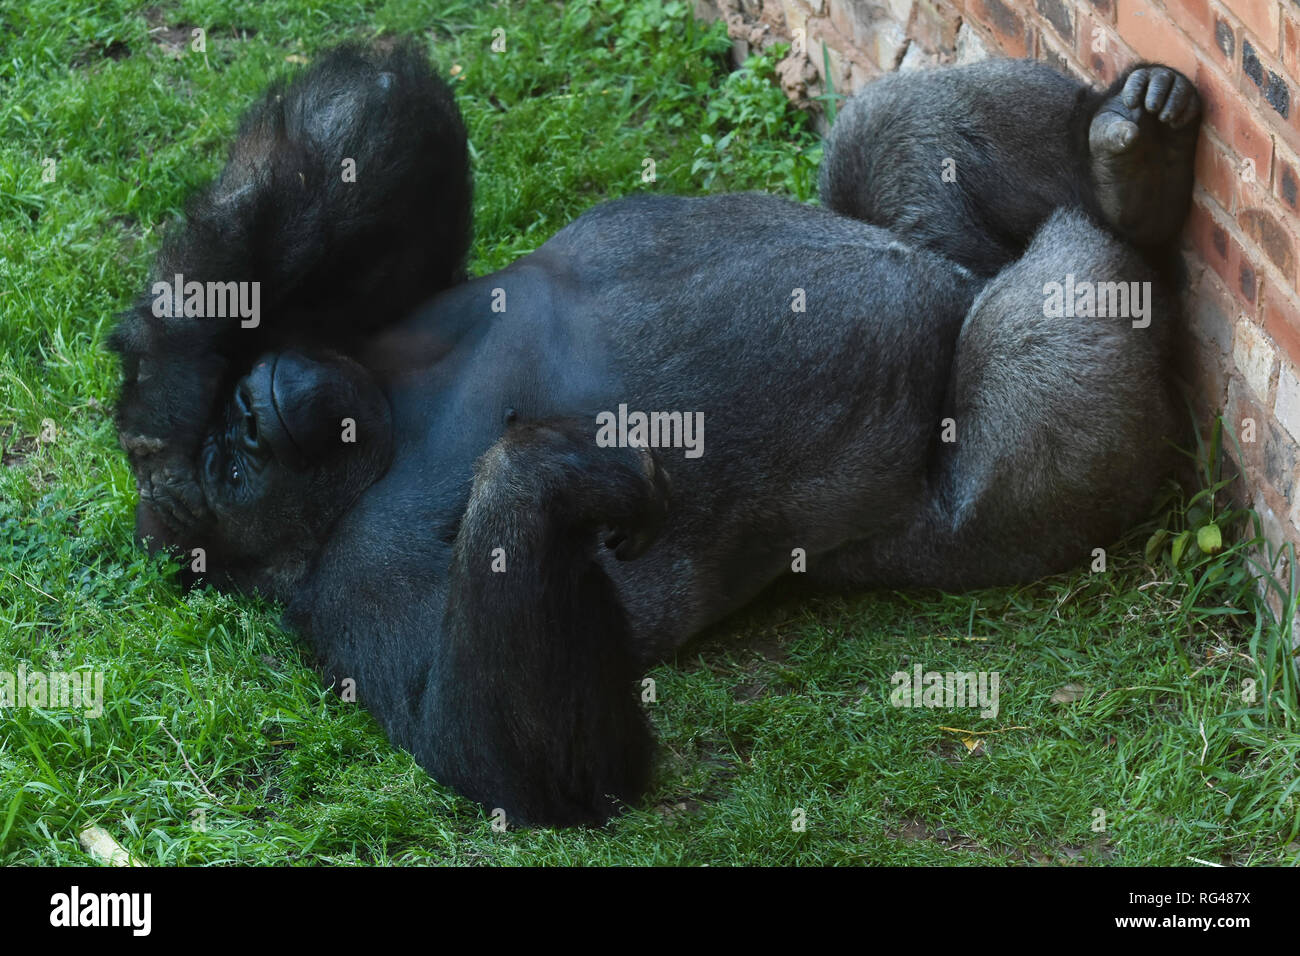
523, 696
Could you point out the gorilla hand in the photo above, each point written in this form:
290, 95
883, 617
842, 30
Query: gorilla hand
623, 490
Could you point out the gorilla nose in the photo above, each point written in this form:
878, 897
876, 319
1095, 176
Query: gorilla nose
310, 400
308, 405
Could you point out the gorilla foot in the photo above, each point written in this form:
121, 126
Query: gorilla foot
1142, 142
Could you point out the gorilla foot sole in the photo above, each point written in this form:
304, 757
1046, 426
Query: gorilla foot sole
1142, 142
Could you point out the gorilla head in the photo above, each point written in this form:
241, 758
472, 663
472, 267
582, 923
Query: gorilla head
363, 159
299, 438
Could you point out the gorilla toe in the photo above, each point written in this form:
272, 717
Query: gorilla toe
1164, 93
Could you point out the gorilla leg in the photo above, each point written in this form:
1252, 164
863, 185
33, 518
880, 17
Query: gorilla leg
970, 161
1060, 423
531, 703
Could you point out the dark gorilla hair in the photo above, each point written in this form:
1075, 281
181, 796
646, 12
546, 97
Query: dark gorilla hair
336, 257
1120, 155
417, 473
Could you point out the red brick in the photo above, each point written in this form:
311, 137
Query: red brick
1215, 239
1260, 18
1247, 281
1216, 170
1251, 137
1053, 52
1059, 18
1148, 30
1291, 46
1114, 56
1262, 82
1234, 120
1103, 10
1281, 314
1270, 237
1286, 180
1289, 131
1224, 45
1209, 239
1008, 27
1219, 99
1194, 17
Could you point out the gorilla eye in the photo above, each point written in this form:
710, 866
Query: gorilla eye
235, 474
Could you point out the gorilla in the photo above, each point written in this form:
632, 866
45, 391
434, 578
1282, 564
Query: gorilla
490, 502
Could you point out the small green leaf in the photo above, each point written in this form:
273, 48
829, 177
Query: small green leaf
1155, 545
1180, 544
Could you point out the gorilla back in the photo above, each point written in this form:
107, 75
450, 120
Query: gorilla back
454, 526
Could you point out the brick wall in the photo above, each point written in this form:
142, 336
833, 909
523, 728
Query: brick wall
1243, 239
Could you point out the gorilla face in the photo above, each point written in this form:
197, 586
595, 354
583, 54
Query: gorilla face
299, 438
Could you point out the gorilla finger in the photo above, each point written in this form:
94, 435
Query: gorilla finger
1190, 111
175, 490
1179, 94
1134, 88
1158, 88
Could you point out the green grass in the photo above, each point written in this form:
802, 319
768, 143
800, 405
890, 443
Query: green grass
211, 712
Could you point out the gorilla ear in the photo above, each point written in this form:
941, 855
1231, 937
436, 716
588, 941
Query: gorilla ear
322, 407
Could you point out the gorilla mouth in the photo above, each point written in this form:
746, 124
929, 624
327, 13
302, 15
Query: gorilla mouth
171, 503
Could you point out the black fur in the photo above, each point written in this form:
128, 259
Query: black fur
336, 260
1016, 134
493, 581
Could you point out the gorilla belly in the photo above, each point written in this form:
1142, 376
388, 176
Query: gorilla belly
811, 375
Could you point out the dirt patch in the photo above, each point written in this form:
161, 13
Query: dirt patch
917, 831
173, 39
14, 448
113, 50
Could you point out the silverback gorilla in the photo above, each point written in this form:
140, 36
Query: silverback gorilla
421, 466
